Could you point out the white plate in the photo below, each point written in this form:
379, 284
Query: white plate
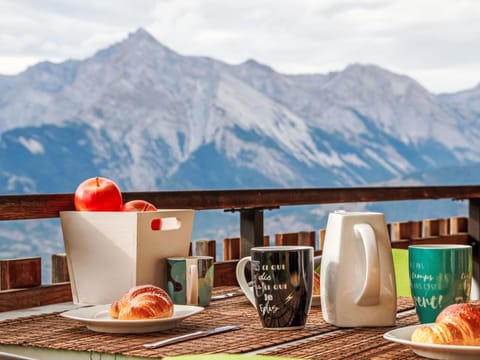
97, 318
432, 351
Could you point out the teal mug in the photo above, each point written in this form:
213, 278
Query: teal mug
440, 275
190, 279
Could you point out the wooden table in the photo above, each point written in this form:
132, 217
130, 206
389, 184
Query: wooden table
51, 336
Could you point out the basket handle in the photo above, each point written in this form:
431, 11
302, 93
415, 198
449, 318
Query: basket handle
165, 224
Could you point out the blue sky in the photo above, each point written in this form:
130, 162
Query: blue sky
435, 42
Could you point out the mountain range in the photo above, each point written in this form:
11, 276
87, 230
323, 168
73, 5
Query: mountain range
150, 118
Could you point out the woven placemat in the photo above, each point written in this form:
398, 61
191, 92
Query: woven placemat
56, 332
362, 343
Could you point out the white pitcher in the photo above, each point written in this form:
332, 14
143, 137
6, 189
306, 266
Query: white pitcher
357, 275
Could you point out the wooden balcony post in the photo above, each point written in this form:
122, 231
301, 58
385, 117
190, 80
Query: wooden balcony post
206, 248
431, 227
401, 230
266, 240
251, 230
474, 238
458, 225
306, 238
231, 248
59, 268
321, 238
444, 226
20, 273
284, 239
415, 229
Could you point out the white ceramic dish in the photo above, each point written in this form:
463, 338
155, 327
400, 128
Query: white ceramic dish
97, 318
432, 351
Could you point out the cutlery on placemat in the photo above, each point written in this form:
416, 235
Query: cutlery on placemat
194, 335
227, 295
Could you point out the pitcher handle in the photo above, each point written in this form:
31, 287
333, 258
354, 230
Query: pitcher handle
370, 293
242, 281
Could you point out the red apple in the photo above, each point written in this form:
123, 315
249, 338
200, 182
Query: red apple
138, 205
98, 194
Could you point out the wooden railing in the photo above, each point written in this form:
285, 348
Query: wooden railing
251, 205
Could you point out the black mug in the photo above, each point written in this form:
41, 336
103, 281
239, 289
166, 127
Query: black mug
282, 284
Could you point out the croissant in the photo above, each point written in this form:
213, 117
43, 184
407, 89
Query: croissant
457, 324
142, 302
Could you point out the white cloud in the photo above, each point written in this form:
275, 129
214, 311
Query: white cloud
435, 42
31, 145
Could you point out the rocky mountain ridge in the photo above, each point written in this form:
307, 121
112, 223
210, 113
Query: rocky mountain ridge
147, 114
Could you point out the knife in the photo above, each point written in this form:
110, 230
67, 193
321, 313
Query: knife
227, 295
194, 335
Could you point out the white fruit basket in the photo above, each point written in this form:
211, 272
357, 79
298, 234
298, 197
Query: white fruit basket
109, 252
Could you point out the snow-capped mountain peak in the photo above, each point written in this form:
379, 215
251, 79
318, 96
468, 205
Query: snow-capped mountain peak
151, 116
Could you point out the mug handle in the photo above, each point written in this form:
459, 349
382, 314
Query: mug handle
242, 281
192, 285
370, 293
